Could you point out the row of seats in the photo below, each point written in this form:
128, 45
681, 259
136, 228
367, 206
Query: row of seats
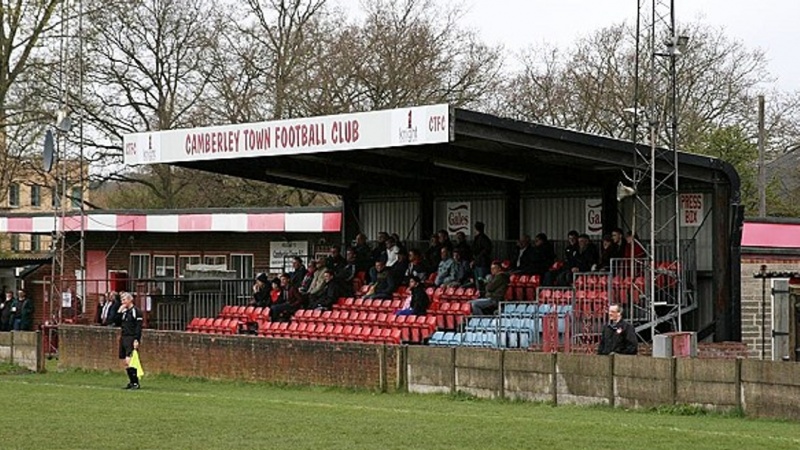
369, 305
331, 332
522, 287
414, 329
481, 339
244, 313
214, 325
452, 294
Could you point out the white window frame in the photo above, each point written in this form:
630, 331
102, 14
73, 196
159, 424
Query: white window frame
243, 274
134, 268
215, 255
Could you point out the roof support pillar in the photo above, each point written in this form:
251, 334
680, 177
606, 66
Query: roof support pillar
724, 307
610, 207
351, 218
426, 213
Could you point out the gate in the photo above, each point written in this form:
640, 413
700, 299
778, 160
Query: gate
780, 320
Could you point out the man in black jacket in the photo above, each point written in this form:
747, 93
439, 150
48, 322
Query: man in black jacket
130, 320
618, 336
5, 311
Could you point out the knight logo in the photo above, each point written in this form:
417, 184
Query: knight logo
410, 133
150, 153
458, 218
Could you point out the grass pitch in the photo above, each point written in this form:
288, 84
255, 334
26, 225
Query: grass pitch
78, 410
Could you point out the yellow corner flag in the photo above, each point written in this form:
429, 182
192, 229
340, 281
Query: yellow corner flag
137, 364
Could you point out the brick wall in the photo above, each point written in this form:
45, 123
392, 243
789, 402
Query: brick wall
754, 302
237, 357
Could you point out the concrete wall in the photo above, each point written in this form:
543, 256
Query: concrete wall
759, 388
23, 348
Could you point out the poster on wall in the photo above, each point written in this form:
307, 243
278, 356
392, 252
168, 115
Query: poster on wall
594, 216
459, 217
691, 210
281, 253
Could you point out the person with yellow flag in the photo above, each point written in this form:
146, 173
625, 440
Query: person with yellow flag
129, 318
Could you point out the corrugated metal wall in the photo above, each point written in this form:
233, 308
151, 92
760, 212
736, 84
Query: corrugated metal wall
555, 215
489, 209
703, 235
393, 215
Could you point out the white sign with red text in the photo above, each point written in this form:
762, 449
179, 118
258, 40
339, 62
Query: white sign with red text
594, 216
459, 217
691, 210
377, 129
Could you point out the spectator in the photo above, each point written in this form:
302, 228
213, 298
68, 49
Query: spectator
348, 272
633, 249
400, 245
544, 255
416, 267
363, 253
618, 336
463, 274
417, 302
298, 272
318, 282
105, 311
330, 293
481, 252
444, 240
495, 292
617, 237
129, 318
433, 255
308, 278
384, 285
335, 261
446, 272
400, 267
5, 311
116, 304
275, 292
391, 252
524, 262
260, 292
289, 301
463, 246
586, 257
22, 310
606, 253
571, 249
379, 252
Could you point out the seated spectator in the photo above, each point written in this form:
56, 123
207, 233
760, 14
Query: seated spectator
400, 267
308, 278
379, 252
633, 248
318, 281
606, 253
583, 261
417, 302
335, 261
330, 293
289, 301
447, 269
260, 293
399, 242
523, 263
462, 274
298, 272
348, 272
416, 267
495, 292
463, 246
275, 292
384, 286
618, 243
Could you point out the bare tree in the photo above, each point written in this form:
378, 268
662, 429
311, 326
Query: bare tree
23, 27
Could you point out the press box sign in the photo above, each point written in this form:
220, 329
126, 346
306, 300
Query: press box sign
692, 208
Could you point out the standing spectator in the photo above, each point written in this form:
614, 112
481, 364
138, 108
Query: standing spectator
363, 253
23, 312
495, 292
106, 311
101, 302
129, 318
417, 302
298, 272
5, 311
481, 251
116, 304
618, 336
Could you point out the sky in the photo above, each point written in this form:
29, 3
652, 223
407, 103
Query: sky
770, 25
